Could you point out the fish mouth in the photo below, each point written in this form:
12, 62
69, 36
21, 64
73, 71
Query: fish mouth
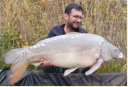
120, 55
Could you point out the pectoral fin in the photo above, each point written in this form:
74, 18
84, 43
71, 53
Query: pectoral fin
95, 67
36, 64
69, 71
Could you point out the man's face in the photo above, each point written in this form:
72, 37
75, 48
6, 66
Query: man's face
74, 19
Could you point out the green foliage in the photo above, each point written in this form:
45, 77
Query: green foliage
111, 66
9, 39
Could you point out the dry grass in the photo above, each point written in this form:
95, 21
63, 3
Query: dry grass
31, 21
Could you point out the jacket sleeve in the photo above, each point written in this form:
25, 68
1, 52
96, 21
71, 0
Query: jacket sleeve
51, 33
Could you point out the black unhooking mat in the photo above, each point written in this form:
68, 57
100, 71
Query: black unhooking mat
51, 79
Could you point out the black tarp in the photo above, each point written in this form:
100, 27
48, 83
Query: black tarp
57, 79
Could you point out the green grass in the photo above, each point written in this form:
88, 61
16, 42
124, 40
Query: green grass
111, 66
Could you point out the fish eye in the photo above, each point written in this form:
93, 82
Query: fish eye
115, 50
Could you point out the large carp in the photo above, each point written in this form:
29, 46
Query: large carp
73, 50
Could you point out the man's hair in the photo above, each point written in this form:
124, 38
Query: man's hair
71, 6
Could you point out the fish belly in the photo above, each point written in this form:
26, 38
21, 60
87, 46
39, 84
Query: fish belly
68, 52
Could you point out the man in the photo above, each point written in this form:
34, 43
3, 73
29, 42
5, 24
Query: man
73, 16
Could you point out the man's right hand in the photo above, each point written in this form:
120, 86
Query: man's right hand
46, 63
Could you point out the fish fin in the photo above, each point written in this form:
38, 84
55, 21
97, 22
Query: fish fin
95, 67
68, 71
36, 64
18, 68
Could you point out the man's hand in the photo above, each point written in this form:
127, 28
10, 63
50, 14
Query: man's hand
45, 63
93, 64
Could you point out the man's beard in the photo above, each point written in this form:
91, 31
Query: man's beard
70, 25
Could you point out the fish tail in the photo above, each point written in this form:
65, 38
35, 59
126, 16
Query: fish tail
18, 68
13, 54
